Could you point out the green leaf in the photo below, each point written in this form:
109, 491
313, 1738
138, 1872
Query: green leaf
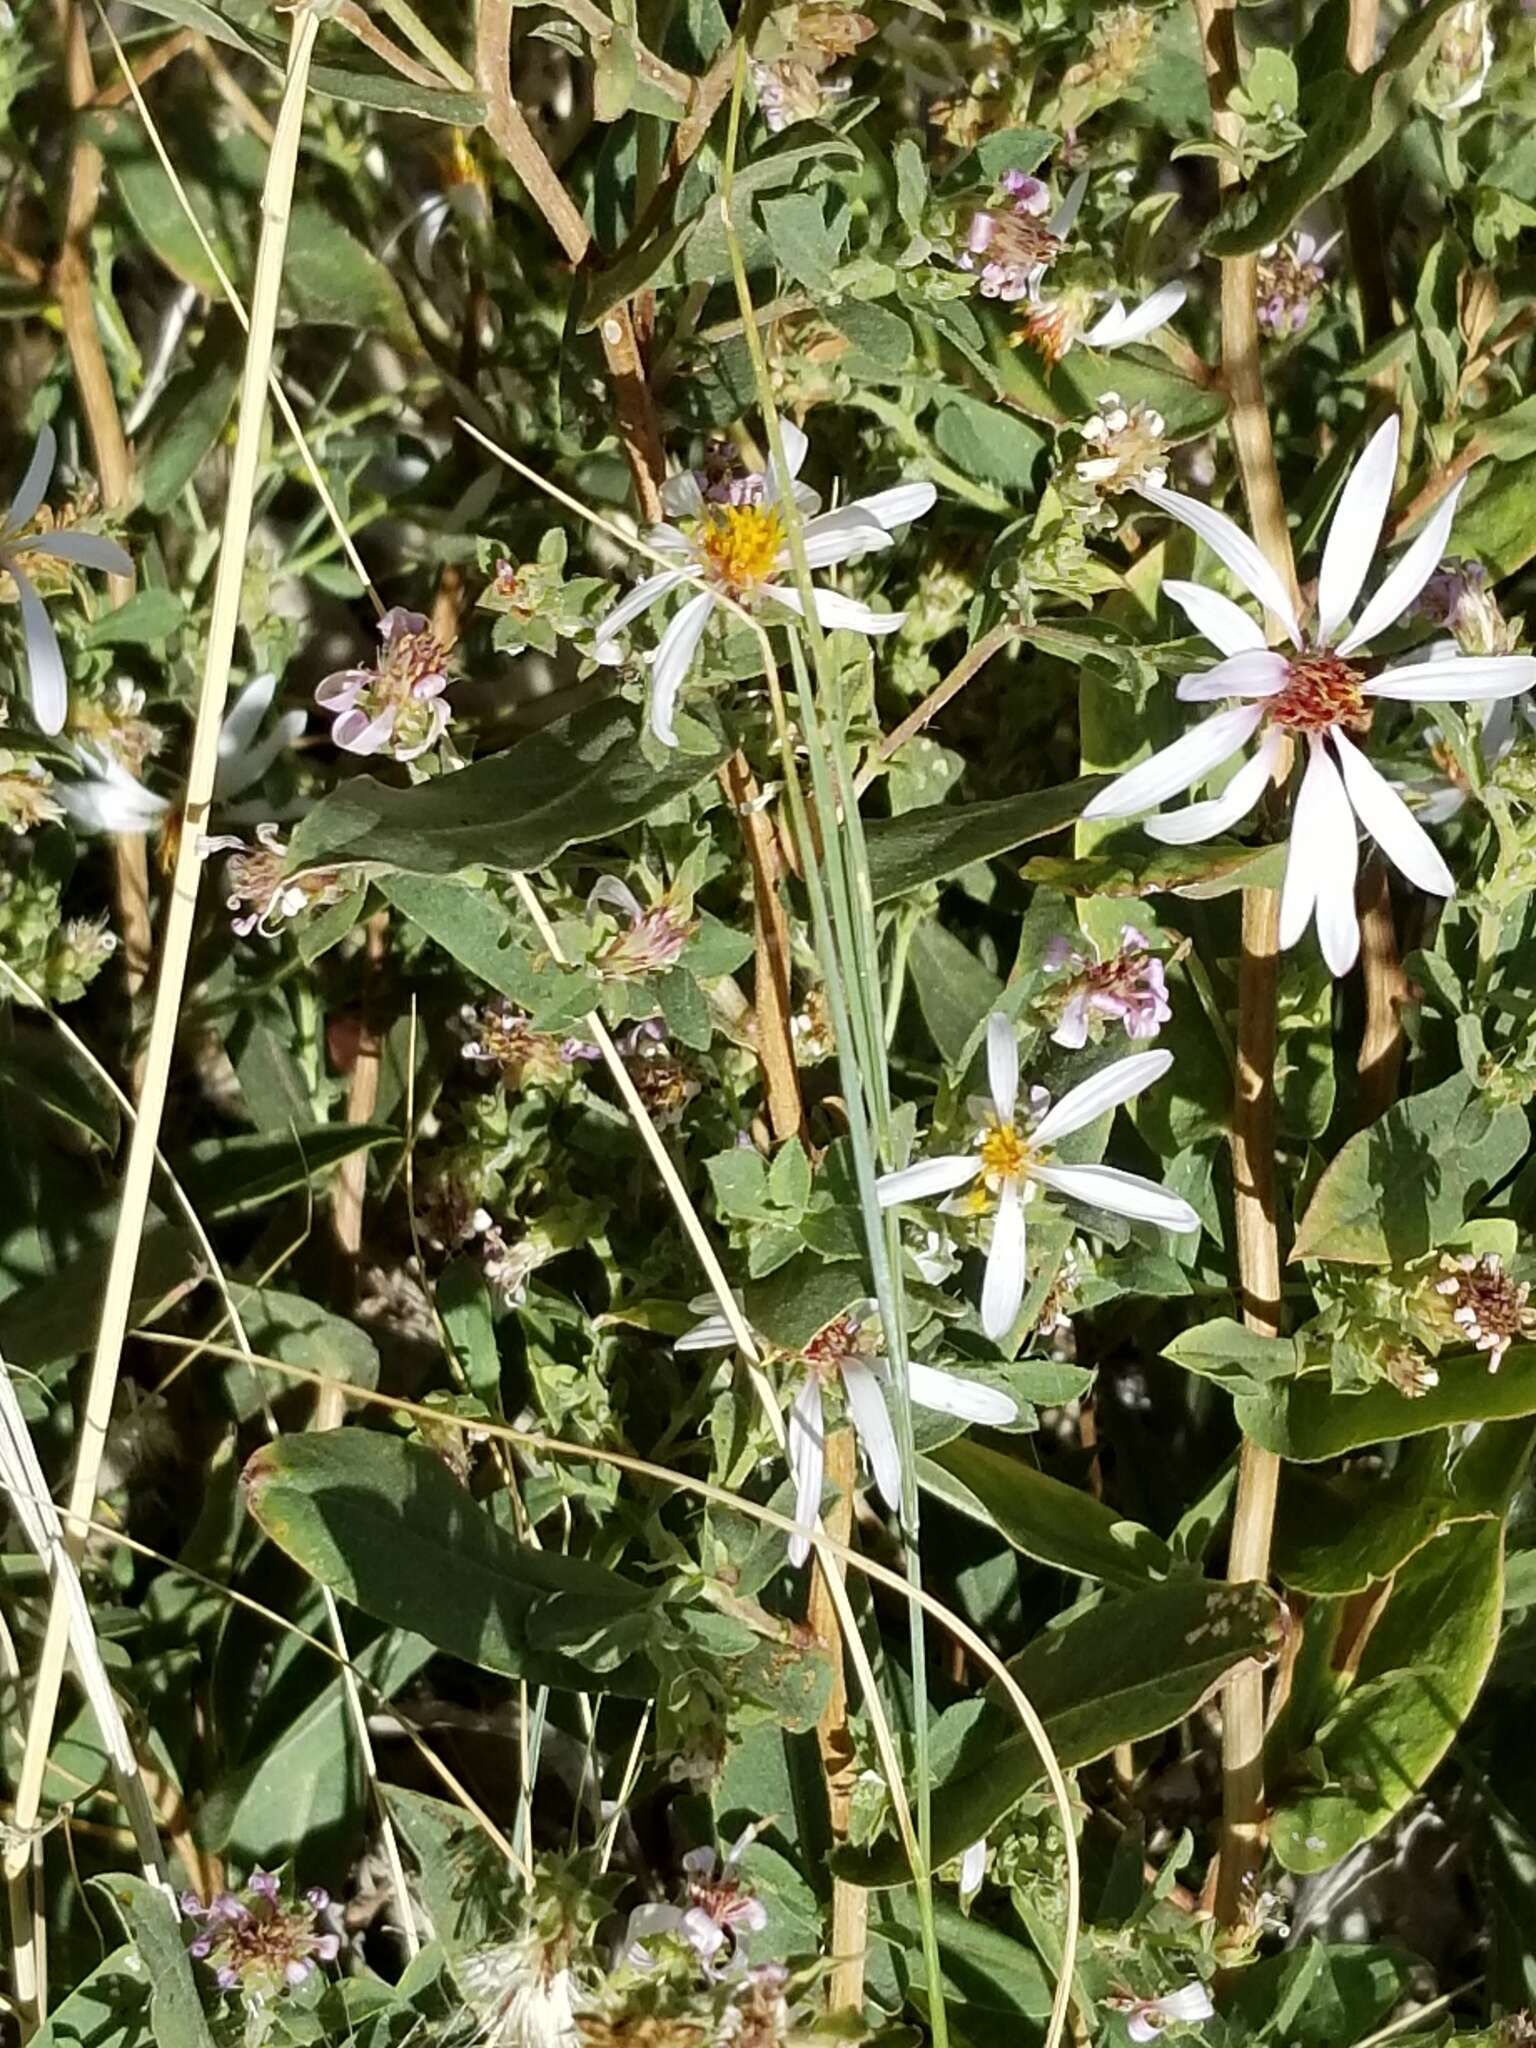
160, 222
45, 1321
47, 1075
1309, 1422
988, 441
940, 839
1220, 867
792, 1304
1421, 1670
147, 619
878, 335
1496, 523
464, 1303
1342, 1534
208, 22
1225, 1350
192, 415
388, 93
226, 1176
479, 931
582, 778
1125, 1670
805, 248
384, 1524
175, 2009
107, 2009
299, 1332
331, 280
1350, 118
1051, 1522
954, 990
1405, 1185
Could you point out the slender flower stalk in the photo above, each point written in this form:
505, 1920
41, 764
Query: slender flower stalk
1013, 1159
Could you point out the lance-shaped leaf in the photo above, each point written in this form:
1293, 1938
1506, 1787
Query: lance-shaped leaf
938, 840
175, 2009
1419, 1675
1051, 1522
1125, 1670
1307, 1422
582, 778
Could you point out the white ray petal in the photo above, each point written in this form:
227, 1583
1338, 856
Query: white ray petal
90, 550
973, 1869
244, 716
1002, 1065
1233, 547
841, 536
47, 685
1390, 822
807, 1451
1122, 1194
681, 497
872, 1421
1456, 679
1256, 672
1190, 2004
1002, 1286
1121, 325
1354, 532
671, 662
29, 492
112, 800
1177, 767
1323, 854
238, 771
796, 446
928, 1177
947, 1394
900, 505
836, 611
713, 1334
640, 599
1407, 576
1119, 1082
1225, 624
1204, 820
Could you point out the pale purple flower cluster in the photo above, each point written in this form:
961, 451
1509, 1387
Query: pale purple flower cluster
721, 1911
1010, 244
396, 706
656, 936
254, 1942
1130, 988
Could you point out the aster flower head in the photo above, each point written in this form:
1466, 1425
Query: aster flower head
1012, 242
1316, 694
1012, 1161
725, 532
654, 939
1123, 447
28, 533
266, 897
721, 1915
254, 1942
846, 1353
1291, 278
1488, 1308
1129, 987
395, 707
1457, 598
1051, 323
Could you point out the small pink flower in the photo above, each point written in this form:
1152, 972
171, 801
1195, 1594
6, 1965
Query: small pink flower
396, 706
1010, 245
1131, 988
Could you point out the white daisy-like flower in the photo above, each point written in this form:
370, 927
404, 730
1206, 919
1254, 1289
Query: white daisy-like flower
110, 799
1014, 1164
47, 683
846, 1351
725, 530
1189, 2006
1316, 693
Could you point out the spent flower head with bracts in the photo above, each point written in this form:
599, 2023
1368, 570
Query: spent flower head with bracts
1013, 1163
265, 896
395, 707
1291, 279
1012, 242
846, 1353
1129, 987
655, 937
726, 533
1488, 1308
1457, 597
1319, 693
1055, 322
257, 1944
1124, 447
26, 532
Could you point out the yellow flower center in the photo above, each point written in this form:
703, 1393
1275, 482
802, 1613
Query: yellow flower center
740, 543
1004, 1154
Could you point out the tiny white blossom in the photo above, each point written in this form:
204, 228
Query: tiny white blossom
725, 531
1014, 1164
1316, 693
1189, 2006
